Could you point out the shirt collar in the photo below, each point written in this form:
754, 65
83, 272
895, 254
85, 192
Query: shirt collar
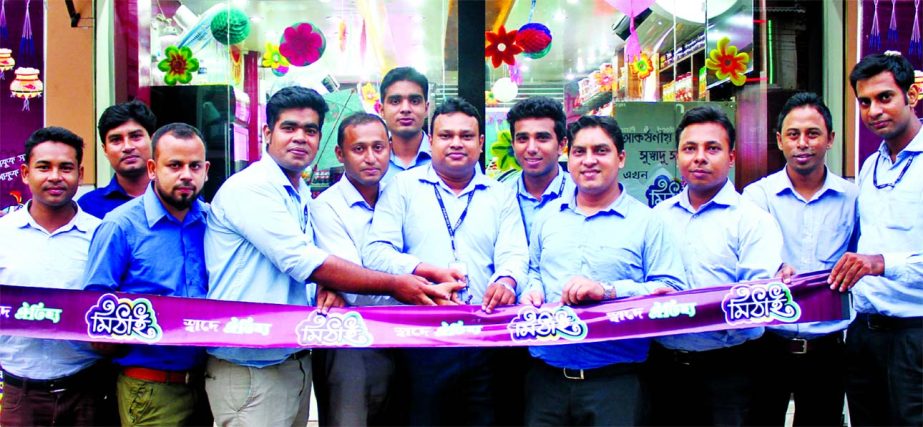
82, 221
277, 176
351, 195
727, 196
915, 146
554, 187
114, 188
479, 181
780, 182
426, 150
619, 206
154, 210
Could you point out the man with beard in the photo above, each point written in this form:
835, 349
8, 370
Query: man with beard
125, 130
154, 245
884, 344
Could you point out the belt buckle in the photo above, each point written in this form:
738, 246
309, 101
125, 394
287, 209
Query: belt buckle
802, 343
573, 377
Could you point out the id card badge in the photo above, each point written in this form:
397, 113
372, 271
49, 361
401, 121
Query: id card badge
462, 268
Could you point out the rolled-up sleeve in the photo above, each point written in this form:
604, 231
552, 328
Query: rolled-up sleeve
108, 258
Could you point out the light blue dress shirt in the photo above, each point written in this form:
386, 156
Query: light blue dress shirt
409, 228
33, 257
259, 247
815, 232
140, 248
891, 224
728, 240
424, 157
341, 219
529, 205
630, 249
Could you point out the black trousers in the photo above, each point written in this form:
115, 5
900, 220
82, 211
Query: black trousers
814, 371
884, 362
701, 388
355, 387
449, 386
608, 396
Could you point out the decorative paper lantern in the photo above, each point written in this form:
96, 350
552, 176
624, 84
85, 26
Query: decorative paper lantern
501, 47
178, 65
534, 39
302, 44
274, 60
230, 26
6, 61
505, 90
26, 86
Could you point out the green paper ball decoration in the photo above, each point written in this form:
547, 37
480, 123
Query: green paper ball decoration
230, 26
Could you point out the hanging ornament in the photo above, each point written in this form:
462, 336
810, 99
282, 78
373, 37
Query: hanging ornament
4, 32
534, 39
501, 47
6, 62
916, 47
490, 100
892, 26
237, 65
727, 63
274, 60
230, 26
303, 44
26, 86
642, 66
178, 65
505, 90
342, 34
875, 35
26, 45
515, 73
606, 74
631, 9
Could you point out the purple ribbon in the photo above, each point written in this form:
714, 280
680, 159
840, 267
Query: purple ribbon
148, 319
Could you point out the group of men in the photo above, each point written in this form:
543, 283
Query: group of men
441, 232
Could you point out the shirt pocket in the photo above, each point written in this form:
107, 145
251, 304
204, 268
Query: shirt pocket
833, 238
904, 209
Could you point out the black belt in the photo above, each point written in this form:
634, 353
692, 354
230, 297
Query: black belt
882, 322
719, 356
589, 374
804, 346
79, 380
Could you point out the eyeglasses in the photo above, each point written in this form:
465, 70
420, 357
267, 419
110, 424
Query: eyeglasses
896, 181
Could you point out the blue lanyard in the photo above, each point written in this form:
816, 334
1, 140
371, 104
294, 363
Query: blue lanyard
445, 215
522, 214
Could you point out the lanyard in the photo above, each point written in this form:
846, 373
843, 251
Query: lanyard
522, 214
445, 215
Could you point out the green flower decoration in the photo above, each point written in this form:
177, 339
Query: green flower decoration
179, 65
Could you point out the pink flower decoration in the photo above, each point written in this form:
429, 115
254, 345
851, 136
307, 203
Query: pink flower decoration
302, 44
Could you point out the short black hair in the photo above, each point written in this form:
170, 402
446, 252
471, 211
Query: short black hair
538, 107
404, 74
875, 64
805, 99
54, 134
292, 97
455, 105
606, 123
179, 130
356, 119
119, 114
707, 114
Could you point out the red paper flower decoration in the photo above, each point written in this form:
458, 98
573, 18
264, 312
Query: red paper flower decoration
501, 47
726, 62
302, 44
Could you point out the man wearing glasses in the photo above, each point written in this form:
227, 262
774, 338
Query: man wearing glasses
884, 346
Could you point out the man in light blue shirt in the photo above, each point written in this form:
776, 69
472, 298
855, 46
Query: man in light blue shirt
630, 254
404, 104
50, 382
353, 385
884, 344
816, 212
259, 247
446, 222
153, 245
723, 239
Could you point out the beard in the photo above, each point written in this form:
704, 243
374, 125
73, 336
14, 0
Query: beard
177, 202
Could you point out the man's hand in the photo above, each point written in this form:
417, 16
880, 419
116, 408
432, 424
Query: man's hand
499, 294
413, 289
450, 288
535, 298
852, 267
662, 291
579, 289
437, 274
785, 273
326, 299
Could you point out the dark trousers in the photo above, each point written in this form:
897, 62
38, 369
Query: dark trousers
884, 362
701, 388
354, 387
449, 386
607, 396
814, 371
510, 366
83, 399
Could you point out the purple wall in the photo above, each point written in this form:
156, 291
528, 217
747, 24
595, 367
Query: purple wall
16, 125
